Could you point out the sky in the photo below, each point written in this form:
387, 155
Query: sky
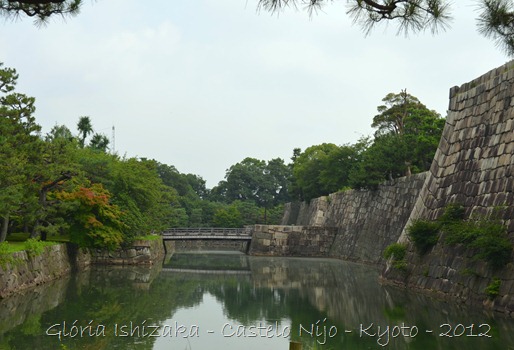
203, 84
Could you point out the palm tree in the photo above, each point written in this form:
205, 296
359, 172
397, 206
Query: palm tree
85, 128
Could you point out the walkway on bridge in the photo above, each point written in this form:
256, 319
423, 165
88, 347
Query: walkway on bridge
207, 233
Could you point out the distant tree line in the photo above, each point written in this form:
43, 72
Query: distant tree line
67, 183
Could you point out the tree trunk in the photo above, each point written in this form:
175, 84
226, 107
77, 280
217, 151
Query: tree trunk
5, 226
35, 231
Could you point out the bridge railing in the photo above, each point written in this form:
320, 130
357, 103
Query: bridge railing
207, 231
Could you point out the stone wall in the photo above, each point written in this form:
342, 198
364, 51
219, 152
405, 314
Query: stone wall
474, 166
275, 240
366, 221
141, 252
28, 271
59, 260
191, 245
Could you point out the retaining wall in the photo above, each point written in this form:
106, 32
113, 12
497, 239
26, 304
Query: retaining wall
141, 252
275, 240
58, 260
366, 221
27, 271
474, 166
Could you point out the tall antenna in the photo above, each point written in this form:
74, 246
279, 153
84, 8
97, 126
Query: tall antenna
113, 140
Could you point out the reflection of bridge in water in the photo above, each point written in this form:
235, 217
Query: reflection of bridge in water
208, 263
207, 233
207, 272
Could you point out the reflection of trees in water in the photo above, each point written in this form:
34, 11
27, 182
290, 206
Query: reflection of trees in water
301, 291
107, 297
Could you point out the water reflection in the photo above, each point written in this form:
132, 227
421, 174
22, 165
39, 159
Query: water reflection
220, 301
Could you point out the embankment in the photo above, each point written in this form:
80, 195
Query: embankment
25, 271
365, 222
473, 166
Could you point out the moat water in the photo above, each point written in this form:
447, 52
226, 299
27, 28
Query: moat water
215, 300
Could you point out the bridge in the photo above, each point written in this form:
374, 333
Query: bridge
207, 233
207, 271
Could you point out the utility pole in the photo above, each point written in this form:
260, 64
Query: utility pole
113, 140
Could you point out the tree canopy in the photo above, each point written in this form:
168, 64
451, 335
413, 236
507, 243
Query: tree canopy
41, 10
406, 138
495, 17
69, 183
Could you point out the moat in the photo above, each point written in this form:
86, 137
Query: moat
213, 300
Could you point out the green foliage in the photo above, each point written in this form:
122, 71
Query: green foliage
94, 221
18, 147
323, 169
228, 217
486, 235
396, 252
493, 289
34, 247
148, 238
424, 234
453, 212
6, 256
264, 183
406, 139
492, 245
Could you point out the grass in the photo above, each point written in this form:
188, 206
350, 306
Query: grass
17, 242
148, 238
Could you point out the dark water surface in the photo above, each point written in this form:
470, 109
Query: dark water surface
211, 301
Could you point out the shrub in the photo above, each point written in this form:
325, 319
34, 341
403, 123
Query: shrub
494, 248
453, 212
488, 237
396, 252
493, 289
463, 232
424, 234
6, 256
34, 247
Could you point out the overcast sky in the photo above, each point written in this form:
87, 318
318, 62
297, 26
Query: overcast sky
203, 84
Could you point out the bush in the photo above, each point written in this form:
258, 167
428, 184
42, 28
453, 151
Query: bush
463, 232
452, 213
424, 234
488, 237
396, 252
34, 247
6, 256
493, 289
493, 247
